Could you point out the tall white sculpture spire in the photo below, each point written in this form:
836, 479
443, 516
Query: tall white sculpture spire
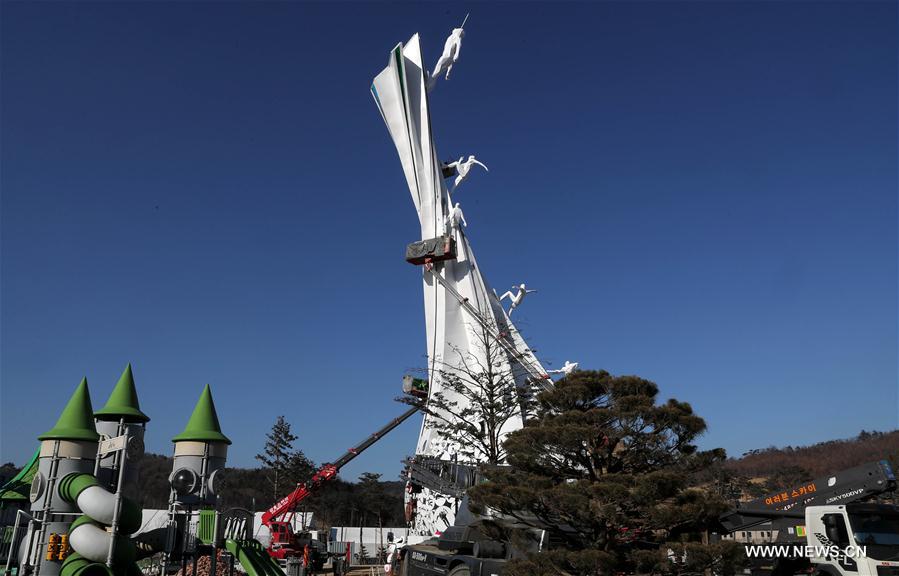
460, 308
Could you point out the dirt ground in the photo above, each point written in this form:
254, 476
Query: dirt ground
366, 571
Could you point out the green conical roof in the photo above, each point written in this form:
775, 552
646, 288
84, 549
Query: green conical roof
123, 403
203, 425
77, 419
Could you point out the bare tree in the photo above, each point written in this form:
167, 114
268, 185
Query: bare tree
478, 396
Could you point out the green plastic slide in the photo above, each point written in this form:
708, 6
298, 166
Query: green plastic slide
253, 557
17, 488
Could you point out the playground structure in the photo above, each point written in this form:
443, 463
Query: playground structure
79, 521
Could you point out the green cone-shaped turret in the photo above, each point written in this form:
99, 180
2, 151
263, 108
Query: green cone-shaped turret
123, 403
203, 425
77, 419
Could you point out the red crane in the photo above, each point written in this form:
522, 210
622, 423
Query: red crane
279, 518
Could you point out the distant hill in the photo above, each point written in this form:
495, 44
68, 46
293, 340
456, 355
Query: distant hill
337, 503
759, 472
819, 459
342, 503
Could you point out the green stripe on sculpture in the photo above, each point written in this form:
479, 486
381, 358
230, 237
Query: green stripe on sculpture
203, 425
77, 419
123, 402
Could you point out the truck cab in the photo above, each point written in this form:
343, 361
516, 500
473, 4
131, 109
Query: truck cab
286, 544
853, 539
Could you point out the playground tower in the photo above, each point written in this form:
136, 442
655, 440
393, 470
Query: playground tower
200, 454
70, 447
121, 416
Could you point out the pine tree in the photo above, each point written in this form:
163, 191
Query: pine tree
287, 466
607, 471
362, 555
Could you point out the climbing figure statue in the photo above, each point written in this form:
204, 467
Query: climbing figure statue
450, 56
566, 369
463, 167
517, 298
457, 217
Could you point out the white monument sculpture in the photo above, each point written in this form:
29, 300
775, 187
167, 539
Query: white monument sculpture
516, 298
460, 307
463, 167
566, 368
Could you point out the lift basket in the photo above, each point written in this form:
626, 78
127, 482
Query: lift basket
431, 250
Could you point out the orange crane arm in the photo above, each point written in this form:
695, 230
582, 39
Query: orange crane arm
329, 471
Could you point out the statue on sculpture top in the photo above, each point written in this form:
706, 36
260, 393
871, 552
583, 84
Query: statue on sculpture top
516, 299
450, 56
566, 369
463, 167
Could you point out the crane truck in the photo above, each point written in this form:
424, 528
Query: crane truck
285, 543
832, 526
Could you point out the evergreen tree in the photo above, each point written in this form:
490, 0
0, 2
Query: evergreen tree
300, 469
7, 471
608, 473
362, 556
287, 466
375, 500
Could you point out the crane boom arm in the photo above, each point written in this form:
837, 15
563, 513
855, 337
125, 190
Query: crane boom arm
852, 485
330, 470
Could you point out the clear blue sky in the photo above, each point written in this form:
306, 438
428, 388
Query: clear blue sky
704, 194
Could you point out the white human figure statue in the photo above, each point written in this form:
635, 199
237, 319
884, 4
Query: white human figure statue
463, 167
457, 217
566, 368
518, 298
393, 550
450, 56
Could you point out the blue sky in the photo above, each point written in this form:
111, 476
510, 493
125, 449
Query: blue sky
704, 194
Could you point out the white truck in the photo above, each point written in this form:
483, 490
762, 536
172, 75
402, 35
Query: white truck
833, 526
